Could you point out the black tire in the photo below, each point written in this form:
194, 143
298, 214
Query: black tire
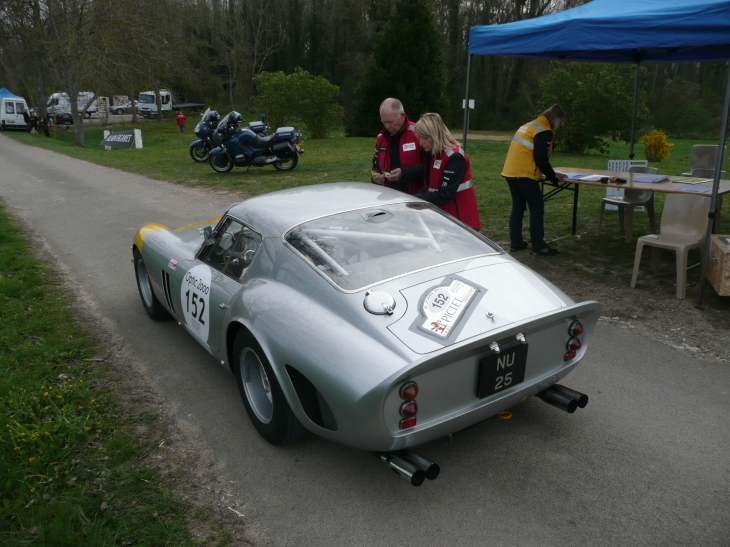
265, 402
288, 164
151, 304
200, 154
87, 115
118, 112
221, 163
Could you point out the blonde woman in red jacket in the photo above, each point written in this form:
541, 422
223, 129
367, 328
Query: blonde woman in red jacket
447, 171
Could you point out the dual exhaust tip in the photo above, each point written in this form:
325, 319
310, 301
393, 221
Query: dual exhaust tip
411, 466
564, 398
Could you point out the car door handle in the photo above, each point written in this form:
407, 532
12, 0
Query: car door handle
222, 306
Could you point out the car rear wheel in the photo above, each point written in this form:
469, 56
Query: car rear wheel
152, 306
287, 164
263, 398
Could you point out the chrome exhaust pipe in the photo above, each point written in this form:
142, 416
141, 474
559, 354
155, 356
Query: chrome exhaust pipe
431, 469
557, 400
580, 398
404, 468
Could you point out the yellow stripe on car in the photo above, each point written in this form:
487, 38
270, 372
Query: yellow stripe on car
144, 231
198, 224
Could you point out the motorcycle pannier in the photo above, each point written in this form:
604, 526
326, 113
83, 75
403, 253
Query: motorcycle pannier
283, 150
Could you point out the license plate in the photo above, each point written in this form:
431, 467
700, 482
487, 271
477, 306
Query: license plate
501, 371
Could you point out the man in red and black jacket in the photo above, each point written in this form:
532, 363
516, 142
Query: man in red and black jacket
397, 162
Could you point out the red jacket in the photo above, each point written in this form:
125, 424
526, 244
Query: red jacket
181, 119
409, 151
464, 205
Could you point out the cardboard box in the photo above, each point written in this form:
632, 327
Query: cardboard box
718, 267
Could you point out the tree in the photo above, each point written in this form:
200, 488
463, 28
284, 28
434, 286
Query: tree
597, 99
301, 96
408, 63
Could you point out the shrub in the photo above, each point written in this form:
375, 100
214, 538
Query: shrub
310, 99
656, 145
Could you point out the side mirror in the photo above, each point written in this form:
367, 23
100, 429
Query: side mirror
208, 235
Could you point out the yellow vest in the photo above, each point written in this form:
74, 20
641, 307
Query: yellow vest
520, 162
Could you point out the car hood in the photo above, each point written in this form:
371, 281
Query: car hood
452, 308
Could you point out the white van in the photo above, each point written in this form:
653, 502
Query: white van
59, 104
11, 111
147, 104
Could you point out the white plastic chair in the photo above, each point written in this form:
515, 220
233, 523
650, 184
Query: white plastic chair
706, 173
683, 226
628, 202
704, 156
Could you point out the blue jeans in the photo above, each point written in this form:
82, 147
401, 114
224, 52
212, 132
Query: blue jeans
526, 193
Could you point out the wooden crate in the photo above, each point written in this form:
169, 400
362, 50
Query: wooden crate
718, 267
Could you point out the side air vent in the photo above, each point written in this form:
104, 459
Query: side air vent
168, 292
314, 405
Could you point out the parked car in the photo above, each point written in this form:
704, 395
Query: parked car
125, 108
364, 315
63, 118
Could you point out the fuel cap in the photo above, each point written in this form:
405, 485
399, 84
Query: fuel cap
379, 303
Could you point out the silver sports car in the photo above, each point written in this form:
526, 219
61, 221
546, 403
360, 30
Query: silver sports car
364, 315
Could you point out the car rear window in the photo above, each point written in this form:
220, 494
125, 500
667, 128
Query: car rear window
359, 248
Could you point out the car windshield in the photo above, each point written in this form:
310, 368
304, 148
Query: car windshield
148, 99
359, 248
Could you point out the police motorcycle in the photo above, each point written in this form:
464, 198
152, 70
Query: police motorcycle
245, 147
200, 149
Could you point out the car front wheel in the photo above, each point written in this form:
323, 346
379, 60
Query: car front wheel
152, 306
263, 398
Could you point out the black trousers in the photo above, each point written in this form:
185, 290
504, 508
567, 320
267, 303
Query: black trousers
526, 193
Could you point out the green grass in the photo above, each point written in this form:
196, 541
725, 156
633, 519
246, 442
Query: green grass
70, 471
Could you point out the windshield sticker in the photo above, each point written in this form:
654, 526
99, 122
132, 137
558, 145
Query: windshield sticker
445, 305
172, 264
195, 295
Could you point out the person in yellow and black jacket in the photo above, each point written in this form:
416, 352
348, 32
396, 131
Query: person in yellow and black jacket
397, 162
528, 161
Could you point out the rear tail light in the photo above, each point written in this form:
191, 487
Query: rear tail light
570, 355
407, 422
408, 410
409, 391
573, 344
575, 328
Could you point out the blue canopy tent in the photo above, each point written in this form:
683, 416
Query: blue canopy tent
620, 31
5, 94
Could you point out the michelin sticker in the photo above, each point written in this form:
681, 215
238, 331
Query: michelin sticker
195, 296
444, 306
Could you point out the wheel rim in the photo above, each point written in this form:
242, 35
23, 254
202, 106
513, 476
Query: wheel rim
145, 289
285, 165
200, 153
256, 386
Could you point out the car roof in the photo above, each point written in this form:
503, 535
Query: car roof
275, 213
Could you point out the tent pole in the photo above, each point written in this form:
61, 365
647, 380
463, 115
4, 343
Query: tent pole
715, 187
633, 110
466, 103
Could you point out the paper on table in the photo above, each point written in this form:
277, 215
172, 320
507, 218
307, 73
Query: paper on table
695, 188
581, 176
691, 180
650, 178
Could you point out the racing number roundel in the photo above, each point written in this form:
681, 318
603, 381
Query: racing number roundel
195, 295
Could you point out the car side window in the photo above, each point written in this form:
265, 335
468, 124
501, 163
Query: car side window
233, 249
9, 108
